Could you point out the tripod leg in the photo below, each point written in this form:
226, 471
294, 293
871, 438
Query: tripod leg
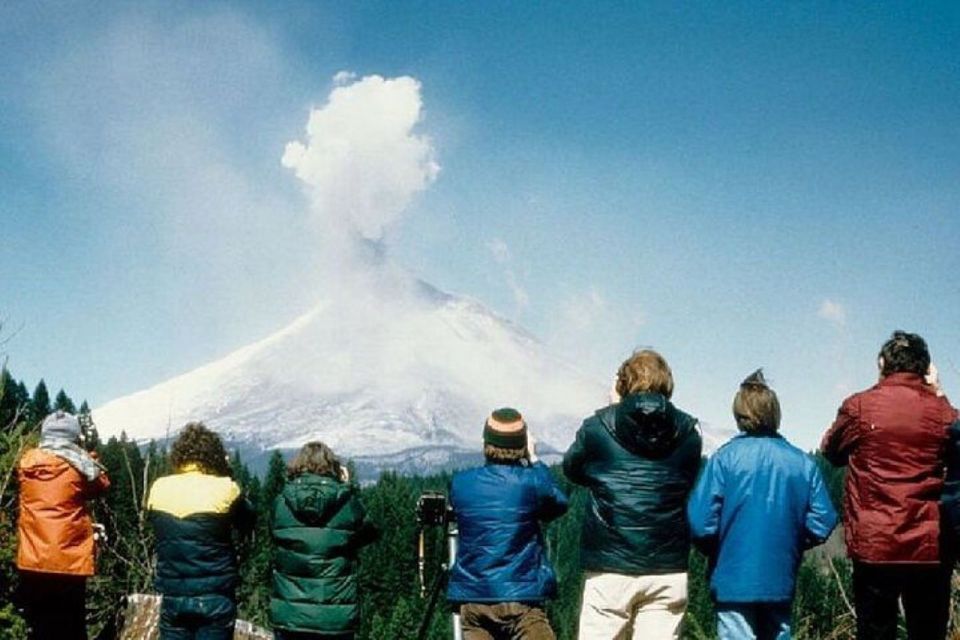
420, 564
452, 540
438, 582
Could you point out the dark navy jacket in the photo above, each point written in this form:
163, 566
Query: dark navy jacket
758, 505
950, 498
194, 515
501, 555
639, 459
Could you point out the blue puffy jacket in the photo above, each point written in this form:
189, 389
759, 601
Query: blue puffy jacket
758, 505
501, 555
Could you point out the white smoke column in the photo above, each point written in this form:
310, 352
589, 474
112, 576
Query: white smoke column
384, 362
362, 163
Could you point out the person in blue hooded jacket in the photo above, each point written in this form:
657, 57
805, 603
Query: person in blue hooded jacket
759, 504
502, 575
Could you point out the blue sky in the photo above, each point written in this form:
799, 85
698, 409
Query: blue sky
737, 185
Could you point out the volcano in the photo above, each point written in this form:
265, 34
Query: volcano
388, 370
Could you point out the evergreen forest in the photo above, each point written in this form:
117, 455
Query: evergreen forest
391, 602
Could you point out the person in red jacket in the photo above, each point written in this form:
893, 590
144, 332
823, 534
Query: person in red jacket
892, 438
55, 534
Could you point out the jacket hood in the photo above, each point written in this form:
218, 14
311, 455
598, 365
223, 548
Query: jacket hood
647, 424
315, 499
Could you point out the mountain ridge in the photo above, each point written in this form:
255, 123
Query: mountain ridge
382, 373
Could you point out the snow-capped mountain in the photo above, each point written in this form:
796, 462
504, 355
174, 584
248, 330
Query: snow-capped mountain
388, 371
376, 370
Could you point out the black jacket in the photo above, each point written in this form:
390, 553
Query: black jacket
639, 459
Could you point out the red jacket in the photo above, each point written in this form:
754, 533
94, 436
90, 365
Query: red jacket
55, 530
893, 438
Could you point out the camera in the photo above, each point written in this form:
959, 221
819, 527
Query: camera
432, 509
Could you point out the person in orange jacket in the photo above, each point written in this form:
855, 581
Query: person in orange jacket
55, 533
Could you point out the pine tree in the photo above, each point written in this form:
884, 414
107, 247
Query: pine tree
40, 404
13, 399
24, 396
64, 403
258, 552
352, 473
276, 478
238, 470
404, 620
13, 437
92, 436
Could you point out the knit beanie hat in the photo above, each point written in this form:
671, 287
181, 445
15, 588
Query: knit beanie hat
60, 425
506, 429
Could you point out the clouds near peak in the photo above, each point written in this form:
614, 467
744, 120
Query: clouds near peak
503, 257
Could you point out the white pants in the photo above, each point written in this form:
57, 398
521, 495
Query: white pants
619, 607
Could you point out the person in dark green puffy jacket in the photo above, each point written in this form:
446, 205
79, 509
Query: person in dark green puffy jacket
639, 459
318, 528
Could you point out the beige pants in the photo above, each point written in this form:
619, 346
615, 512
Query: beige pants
619, 607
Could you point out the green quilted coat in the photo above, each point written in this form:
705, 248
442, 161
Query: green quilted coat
318, 527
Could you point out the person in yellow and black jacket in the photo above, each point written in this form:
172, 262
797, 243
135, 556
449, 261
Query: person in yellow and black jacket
195, 513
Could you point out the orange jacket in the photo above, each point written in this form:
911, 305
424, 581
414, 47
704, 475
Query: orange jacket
55, 531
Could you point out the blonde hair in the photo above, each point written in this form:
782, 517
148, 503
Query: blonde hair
645, 370
756, 407
316, 458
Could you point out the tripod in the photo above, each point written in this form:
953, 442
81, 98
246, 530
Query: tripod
439, 580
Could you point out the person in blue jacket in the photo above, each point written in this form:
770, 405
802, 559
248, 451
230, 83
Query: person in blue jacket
758, 505
502, 576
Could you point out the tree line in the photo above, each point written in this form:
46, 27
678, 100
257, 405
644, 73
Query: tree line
391, 602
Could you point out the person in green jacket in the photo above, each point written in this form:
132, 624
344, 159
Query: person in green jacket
318, 529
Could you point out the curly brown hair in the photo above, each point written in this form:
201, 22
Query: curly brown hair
317, 458
198, 445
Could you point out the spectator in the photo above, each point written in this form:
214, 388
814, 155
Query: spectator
892, 439
758, 505
638, 458
318, 528
502, 577
55, 533
194, 513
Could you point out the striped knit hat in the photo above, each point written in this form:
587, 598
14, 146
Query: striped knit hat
506, 429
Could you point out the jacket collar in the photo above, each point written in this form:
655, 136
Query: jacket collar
759, 434
904, 379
